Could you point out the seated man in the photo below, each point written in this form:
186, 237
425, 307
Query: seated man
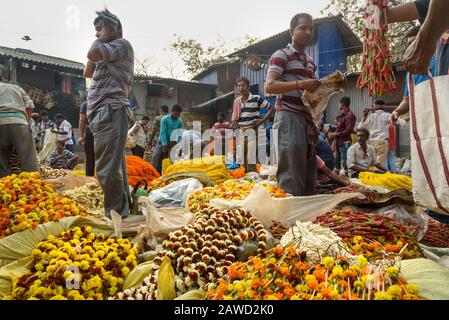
362, 156
61, 158
324, 170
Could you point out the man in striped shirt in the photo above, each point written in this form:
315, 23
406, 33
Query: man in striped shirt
247, 116
291, 72
110, 65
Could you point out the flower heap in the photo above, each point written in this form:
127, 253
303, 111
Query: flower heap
371, 235
27, 201
228, 190
76, 265
202, 252
288, 275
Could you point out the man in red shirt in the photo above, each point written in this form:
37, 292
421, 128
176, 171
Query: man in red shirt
345, 128
221, 125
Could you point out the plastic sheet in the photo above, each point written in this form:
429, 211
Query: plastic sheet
286, 210
175, 194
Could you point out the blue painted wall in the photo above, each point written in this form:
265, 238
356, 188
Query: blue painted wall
331, 54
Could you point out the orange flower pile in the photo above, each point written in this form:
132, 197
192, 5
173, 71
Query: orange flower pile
139, 169
27, 201
238, 173
287, 275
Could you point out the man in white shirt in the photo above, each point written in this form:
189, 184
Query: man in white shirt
362, 156
63, 129
140, 131
377, 122
15, 110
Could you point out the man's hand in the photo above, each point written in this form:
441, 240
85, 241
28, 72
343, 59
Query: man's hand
165, 149
81, 141
394, 117
309, 85
258, 123
418, 56
332, 135
234, 125
366, 111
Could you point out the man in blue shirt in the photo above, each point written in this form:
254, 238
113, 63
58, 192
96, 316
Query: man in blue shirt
168, 137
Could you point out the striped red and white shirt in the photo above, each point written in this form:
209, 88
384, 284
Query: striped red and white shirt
292, 66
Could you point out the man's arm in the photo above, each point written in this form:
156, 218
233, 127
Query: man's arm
90, 69
163, 135
404, 12
94, 54
333, 176
401, 109
419, 55
381, 167
275, 86
83, 124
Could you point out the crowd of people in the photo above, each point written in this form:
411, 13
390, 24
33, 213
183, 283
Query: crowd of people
303, 150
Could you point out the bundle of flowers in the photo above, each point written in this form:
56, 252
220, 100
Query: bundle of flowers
27, 201
437, 235
228, 190
139, 169
201, 252
76, 265
286, 274
371, 235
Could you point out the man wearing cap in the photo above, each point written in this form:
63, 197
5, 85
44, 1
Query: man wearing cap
15, 110
110, 65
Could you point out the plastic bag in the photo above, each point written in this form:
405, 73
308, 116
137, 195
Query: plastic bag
286, 210
431, 278
159, 223
50, 140
175, 194
268, 171
408, 216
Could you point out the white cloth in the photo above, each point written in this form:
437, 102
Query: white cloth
65, 126
377, 122
139, 132
356, 156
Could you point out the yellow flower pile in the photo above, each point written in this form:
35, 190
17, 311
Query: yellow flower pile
228, 190
76, 265
213, 166
27, 201
389, 181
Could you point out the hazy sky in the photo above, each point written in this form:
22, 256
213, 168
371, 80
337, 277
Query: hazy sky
64, 28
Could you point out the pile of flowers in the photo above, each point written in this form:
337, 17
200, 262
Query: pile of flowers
286, 274
369, 234
76, 265
201, 252
228, 190
27, 201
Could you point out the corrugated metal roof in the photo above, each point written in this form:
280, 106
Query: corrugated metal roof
205, 104
28, 55
143, 78
351, 42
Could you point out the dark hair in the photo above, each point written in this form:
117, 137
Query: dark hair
59, 116
60, 142
242, 79
295, 19
44, 113
413, 32
164, 109
146, 118
109, 19
345, 101
220, 114
365, 131
176, 108
379, 102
